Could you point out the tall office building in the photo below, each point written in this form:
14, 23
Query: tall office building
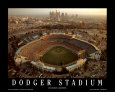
57, 16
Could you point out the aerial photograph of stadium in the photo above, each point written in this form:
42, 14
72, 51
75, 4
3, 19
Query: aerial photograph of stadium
57, 42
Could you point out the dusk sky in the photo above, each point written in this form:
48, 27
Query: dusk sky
45, 11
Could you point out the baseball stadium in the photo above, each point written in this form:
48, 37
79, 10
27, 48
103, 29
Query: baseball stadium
55, 51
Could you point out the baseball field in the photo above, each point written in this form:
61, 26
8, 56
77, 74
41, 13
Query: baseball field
59, 56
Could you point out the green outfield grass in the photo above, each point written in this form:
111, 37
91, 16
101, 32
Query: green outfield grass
59, 56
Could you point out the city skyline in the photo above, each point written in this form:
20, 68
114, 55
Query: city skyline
45, 11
